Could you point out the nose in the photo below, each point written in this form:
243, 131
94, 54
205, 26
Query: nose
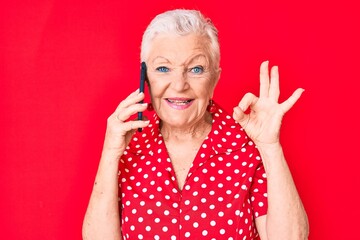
180, 82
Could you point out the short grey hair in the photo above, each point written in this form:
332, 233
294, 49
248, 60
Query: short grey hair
182, 22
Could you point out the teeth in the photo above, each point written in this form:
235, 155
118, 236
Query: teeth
179, 102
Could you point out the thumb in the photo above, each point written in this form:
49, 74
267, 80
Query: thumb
239, 116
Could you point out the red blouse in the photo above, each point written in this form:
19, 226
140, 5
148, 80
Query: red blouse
225, 189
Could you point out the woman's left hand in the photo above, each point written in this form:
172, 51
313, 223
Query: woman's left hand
263, 122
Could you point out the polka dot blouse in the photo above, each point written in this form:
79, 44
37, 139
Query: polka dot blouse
225, 189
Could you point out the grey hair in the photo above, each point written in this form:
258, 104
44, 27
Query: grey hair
182, 22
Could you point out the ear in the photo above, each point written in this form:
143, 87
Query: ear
216, 80
218, 73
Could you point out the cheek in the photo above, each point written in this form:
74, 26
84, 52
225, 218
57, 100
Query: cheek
207, 89
156, 89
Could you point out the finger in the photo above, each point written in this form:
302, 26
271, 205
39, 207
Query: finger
287, 105
274, 89
133, 98
240, 116
133, 125
264, 79
125, 113
248, 100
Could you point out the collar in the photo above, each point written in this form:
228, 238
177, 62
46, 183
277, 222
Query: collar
226, 136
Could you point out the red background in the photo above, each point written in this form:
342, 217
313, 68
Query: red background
65, 65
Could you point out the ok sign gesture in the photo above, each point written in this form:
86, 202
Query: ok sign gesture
262, 123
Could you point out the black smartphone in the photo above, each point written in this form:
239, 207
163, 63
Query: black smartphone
142, 87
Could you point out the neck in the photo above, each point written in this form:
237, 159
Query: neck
197, 130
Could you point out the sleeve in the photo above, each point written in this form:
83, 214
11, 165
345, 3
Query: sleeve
258, 189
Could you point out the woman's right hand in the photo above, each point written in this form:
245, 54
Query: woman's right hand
119, 130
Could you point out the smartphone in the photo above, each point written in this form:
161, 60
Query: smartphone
142, 87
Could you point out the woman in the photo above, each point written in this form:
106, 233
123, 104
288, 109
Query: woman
194, 172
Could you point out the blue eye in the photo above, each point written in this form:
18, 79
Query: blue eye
197, 70
162, 69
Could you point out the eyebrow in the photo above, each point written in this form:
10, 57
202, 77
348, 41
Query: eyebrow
191, 59
164, 59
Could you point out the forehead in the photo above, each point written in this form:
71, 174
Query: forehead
177, 48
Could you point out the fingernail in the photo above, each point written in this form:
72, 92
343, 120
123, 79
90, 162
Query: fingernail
236, 109
242, 108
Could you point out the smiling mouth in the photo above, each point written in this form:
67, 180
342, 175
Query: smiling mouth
179, 101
